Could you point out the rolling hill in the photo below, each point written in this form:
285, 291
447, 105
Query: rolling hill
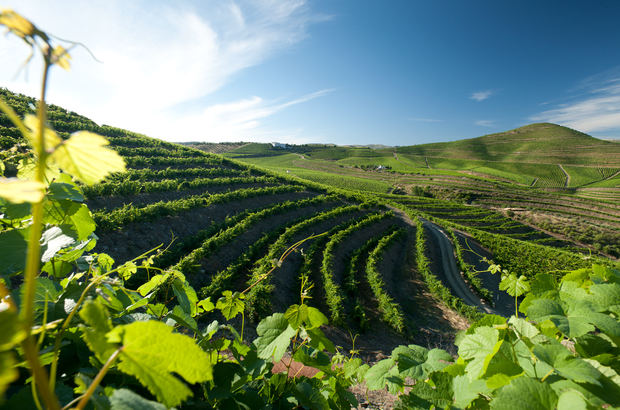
542, 143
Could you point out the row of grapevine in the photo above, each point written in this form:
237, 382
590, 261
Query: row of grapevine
333, 293
132, 187
116, 218
190, 263
390, 310
289, 237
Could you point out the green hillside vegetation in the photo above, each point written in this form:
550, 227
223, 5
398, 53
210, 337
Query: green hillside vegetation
535, 143
577, 202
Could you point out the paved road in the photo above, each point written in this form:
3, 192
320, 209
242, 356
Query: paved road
452, 273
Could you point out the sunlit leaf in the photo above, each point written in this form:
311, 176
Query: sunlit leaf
274, 337
16, 23
50, 138
61, 57
96, 316
513, 285
86, 157
155, 356
18, 191
231, 304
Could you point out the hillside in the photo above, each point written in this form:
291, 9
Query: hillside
577, 203
535, 143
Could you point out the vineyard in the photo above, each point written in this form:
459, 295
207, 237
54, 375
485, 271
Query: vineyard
222, 223
564, 203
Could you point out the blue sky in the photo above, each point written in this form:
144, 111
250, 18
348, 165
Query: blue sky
331, 71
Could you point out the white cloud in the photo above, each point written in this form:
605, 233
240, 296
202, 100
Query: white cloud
481, 95
596, 111
237, 120
155, 55
485, 123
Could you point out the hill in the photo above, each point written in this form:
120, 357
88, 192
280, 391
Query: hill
535, 143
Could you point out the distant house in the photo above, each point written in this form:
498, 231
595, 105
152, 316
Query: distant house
279, 145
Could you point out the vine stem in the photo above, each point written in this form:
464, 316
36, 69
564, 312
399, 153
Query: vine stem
29, 346
98, 378
286, 253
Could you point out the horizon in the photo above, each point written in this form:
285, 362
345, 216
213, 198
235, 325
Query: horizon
322, 72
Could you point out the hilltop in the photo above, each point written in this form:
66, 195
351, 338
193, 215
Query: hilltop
535, 143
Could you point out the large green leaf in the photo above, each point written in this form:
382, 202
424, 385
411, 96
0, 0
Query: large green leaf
567, 365
524, 393
384, 373
297, 315
309, 395
14, 245
60, 190
96, 317
480, 347
274, 336
425, 396
186, 296
154, 354
466, 390
124, 399
85, 156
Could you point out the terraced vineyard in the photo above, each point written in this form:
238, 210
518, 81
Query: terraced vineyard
366, 258
569, 200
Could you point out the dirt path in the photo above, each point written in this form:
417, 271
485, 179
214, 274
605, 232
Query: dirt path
567, 181
450, 271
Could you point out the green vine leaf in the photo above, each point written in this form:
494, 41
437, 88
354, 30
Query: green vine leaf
231, 304
96, 316
85, 156
124, 399
513, 285
524, 393
18, 191
153, 354
274, 337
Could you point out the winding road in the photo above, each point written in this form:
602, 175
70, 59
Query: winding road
452, 274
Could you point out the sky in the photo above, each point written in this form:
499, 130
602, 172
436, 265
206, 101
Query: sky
329, 71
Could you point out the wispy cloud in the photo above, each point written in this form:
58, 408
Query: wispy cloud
237, 120
596, 109
481, 95
418, 119
156, 57
485, 123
